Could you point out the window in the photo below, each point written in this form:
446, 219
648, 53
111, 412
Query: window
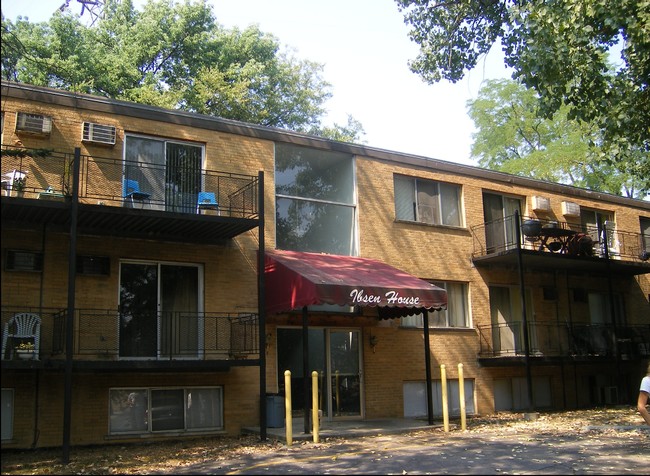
426, 201
415, 398
142, 410
511, 394
19, 260
315, 200
456, 314
7, 414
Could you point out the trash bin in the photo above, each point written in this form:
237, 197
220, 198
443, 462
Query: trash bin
274, 410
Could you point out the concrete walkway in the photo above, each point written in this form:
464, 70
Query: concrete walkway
347, 428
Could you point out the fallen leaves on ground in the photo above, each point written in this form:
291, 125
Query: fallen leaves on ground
164, 456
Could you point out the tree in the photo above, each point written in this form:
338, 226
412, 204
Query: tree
513, 138
560, 49
351, 132
172, 55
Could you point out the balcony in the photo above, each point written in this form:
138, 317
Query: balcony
578, 342
560, 245
168, 210
106, 339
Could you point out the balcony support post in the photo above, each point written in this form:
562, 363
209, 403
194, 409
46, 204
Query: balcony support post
261, 304
69, 319
427, 365
524, 320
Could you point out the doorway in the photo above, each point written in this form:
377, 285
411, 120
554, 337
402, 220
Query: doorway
507, 322
159, 311
336, 355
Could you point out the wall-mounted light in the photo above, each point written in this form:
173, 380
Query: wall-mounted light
373, 342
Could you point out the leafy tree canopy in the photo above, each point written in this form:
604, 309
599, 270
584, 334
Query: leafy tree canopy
172, 55
513, 138
562, 50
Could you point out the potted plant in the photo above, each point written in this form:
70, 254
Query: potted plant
26, 350
531, 227
19, 185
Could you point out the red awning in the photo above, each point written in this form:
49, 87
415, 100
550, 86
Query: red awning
296, 279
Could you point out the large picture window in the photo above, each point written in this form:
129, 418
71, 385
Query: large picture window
315, 200
143, 410
456, 314
426, 201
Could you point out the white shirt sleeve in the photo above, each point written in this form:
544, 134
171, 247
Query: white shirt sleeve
645, 385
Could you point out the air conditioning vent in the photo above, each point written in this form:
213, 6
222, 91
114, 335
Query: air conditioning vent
541, 204
99, 133
33, 123
570, 209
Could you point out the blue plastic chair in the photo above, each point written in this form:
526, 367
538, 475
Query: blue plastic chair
206, 201
132, 191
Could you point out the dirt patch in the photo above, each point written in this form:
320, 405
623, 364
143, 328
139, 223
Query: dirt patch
164, 457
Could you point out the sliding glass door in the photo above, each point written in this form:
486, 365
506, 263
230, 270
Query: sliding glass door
159, 311
170, 172
500, 228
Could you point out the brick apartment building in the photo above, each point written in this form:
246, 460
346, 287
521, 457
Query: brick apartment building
132, 240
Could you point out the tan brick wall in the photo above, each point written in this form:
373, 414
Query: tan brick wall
429, 252
38, 403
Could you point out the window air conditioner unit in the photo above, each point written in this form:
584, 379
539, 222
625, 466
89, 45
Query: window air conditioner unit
541, 204
99, 133
33, 123
570, 209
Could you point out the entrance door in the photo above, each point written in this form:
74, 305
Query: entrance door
344, 373
335, 355
159, 315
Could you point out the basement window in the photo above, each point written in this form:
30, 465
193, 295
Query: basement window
21, 260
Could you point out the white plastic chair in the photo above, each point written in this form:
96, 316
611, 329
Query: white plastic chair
23, 326
11, 177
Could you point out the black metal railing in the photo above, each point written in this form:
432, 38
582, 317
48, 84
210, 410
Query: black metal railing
500, 236
553, 340
100, 334
47, 175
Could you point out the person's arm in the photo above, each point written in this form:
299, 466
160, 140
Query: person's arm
642, 406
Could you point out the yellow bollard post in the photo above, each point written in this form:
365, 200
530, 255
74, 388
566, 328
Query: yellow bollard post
445, 403
461, 395
314, 404
288, 420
